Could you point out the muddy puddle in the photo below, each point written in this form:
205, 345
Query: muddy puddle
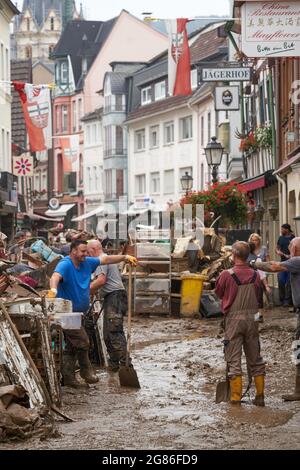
179, 362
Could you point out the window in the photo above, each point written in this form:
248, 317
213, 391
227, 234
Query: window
51, 49
262, 114
64, 118
140, 184
8, 146
44, 182
119, 183
140, 139
169, 182
160, 90
194, 79
146, 95
119, 103
37, 183
74, 106
186, 128
89, 178
69, 180
3, 144
154, 137
155, 182
7, 64
52, 23
107, 103
80, 113
108, 141
209, 127
28, 52
64, 72
28, 24
202, 176
119, 140
2, 62
108, 183
202, 131
57, 118
88, 134
169, 133
94, 134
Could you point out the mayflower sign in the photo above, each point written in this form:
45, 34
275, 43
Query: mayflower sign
271, 29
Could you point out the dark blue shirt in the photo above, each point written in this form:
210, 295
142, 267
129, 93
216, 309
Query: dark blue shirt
75, 283
283, 243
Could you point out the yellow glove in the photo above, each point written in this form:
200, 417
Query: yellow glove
131, 260
52, 293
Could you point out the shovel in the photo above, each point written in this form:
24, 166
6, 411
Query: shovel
127, 375
223, 390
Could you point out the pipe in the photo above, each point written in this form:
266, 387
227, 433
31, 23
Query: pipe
283, 183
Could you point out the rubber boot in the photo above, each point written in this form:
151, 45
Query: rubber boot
296, 395
259, 399
236, 390
69, 377
86, 371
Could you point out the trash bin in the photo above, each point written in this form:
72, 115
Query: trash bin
191, 291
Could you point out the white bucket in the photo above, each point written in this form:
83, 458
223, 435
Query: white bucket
69, 321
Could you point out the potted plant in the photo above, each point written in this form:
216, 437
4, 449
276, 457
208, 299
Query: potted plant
225, 199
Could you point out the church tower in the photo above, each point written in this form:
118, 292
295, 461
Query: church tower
39, 27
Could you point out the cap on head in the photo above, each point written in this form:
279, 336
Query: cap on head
287, 227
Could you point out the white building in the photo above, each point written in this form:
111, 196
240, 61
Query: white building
7, 12
167, 135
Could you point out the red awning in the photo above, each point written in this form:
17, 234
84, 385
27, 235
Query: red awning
254, 183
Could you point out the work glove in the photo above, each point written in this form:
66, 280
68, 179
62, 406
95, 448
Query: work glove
252, 264
52, 293
131, 260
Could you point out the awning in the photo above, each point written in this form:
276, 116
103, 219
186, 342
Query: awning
254, 183
97, 211
287, 163
60, 212
33, 216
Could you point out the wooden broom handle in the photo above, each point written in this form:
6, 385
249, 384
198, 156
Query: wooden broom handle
129, 315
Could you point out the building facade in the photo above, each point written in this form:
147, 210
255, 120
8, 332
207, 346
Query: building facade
8, 183
167, 135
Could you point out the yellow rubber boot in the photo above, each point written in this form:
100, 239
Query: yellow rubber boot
260, 390
236, 390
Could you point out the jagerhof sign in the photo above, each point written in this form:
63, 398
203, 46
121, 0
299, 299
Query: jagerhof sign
226, 74
271, 29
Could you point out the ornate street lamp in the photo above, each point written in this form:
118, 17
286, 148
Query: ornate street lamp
214, 152
273, 210
259, 212
186, 183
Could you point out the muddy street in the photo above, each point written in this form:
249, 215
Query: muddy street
179, 362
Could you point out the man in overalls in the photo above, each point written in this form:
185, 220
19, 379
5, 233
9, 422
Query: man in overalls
239, 290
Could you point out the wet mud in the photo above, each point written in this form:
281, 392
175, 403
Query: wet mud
179, 362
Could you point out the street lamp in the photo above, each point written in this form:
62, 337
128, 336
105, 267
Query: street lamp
186, 183
297, 224
214, 152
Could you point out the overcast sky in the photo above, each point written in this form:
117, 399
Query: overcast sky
104, 9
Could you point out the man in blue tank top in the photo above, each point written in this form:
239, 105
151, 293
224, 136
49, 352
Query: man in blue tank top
71, 281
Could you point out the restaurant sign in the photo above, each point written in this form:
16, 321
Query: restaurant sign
271, 29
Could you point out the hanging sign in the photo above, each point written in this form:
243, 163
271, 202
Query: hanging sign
226, 74
227, 98
271, 29
23, 166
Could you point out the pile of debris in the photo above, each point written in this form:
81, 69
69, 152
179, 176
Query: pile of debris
209, 258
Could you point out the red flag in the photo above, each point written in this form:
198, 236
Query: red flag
36, 104
70, 152
179, 58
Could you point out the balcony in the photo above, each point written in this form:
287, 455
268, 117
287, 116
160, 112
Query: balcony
117, 152
115, 108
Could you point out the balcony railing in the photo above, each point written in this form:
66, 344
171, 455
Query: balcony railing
117, 152
115, 108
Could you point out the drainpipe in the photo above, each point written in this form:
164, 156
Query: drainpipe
297, 124
283, 205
